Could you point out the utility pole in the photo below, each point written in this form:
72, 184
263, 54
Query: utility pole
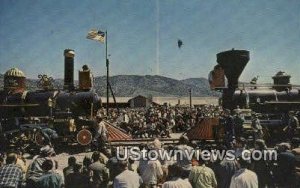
107, 75
190, 94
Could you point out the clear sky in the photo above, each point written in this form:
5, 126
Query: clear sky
34, 33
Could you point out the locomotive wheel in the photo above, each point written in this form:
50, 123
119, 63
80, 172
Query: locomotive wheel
84, 137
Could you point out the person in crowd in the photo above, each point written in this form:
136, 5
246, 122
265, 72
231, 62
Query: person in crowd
228, 123
87, 161
238, 124
262, 167
100, 173
1, 159
293, 125
11, 175
70, 168
21, 162
244, 178
35, 170
151, 172
239, 144
224, 170
201, 176
113, 164
131, 165
49, 178
100, 137
77, 179
286, 165
258, 129
174, 179
126, 178
184, 149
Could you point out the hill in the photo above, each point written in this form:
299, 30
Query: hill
133, 85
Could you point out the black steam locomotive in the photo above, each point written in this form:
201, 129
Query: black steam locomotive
33, 117
272, 101
279, 97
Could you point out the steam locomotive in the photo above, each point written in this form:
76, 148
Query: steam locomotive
272, 101
30, 117
279, 97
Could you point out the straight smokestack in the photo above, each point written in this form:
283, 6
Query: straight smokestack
69, 69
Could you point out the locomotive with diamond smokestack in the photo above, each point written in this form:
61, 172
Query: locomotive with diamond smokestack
272, 103
279, 97
69, 112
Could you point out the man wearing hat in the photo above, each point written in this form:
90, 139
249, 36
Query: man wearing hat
35, 170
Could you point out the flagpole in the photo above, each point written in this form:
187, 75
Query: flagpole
107, 75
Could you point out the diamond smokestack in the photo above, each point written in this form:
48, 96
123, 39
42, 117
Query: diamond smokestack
233, 62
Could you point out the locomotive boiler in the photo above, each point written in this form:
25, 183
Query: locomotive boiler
69, 112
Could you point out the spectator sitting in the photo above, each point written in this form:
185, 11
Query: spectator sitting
35, 170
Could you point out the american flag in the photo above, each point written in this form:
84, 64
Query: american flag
96, 35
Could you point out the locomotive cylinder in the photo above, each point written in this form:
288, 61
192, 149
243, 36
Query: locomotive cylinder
69, 69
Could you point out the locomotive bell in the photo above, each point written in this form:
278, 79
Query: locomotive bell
69, 55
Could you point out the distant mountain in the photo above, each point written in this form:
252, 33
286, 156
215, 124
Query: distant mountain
148, 85
132, 85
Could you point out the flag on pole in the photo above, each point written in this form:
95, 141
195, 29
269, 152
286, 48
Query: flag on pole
96, 35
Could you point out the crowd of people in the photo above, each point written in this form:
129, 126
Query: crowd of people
108, 166
111, 168
159, 121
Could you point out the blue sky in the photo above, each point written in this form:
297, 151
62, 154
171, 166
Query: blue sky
34, 33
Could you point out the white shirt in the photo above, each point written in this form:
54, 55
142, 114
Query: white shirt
152, 172
177, 183
244, 178
127, 179
102, 128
